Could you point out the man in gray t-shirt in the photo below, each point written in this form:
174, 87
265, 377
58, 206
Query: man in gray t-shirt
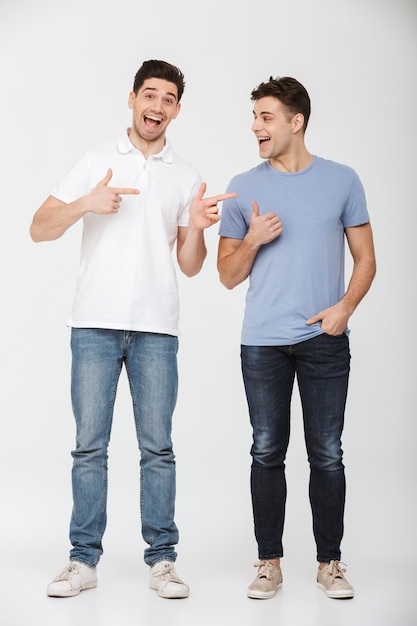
285, 231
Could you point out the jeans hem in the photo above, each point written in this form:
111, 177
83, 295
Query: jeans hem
159, 561
270, 558
76, 560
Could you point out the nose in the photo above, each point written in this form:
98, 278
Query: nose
158, 103
255, 125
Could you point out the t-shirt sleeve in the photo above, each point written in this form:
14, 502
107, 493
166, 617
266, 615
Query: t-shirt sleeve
355, 212
75, 183
233, 223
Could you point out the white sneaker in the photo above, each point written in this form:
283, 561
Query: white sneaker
75, 577
163, 578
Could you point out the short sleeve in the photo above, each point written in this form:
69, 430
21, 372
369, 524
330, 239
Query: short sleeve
75, 183
233, 223
355, 212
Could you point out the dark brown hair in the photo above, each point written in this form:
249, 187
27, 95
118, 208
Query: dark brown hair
288, 91
159, 69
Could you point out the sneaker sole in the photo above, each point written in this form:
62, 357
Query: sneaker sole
71, 592
262, 595
335, 594
170, 596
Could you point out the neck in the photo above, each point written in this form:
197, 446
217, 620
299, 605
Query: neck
294, 162
146, 147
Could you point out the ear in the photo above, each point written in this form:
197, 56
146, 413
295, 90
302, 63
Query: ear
131, 99
297, 122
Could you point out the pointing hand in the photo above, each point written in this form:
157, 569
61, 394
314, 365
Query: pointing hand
104, 199
204, 211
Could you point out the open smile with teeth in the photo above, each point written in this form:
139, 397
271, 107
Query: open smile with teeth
262, 140
152, 121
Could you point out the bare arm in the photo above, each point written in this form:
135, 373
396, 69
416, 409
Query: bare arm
54, 217
236, 256
191, 248
334, 320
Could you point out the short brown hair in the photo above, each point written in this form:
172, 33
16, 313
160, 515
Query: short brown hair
159, 69
288, 91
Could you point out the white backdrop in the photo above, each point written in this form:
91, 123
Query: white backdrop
66, 71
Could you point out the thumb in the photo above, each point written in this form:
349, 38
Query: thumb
201, 191
107, 178
255, 208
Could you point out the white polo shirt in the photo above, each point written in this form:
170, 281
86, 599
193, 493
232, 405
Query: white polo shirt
127, 278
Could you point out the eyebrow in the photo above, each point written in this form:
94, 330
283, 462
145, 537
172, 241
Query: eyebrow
168, 93
263, 113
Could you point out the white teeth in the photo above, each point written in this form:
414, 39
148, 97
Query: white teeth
155, 119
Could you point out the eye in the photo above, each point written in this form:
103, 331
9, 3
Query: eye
169, 101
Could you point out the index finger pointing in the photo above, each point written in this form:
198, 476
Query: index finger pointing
222, 196
124, 190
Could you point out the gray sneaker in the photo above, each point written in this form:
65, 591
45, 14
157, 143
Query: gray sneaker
75, 577
163, 578
267, 582
331, 580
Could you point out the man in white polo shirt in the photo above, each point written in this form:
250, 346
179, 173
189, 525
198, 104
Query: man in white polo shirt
136, 198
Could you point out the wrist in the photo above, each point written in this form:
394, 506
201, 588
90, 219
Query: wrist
83, 206
193, 228
348, 305
251, 242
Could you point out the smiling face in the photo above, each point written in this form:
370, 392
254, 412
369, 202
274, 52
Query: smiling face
274, 128
154, 106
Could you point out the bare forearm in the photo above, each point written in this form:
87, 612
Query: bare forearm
54, 217
234, 268
50, 222
192, 252
361, 245
360, 283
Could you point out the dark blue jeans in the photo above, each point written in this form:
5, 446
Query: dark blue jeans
322, 368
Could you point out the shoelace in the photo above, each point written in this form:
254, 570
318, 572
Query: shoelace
336, 570
68, 572
266, 569
167, 575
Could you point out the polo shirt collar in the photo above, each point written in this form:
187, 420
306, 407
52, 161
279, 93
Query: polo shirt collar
124, 146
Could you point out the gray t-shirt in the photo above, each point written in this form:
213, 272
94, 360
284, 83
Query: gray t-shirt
302, 271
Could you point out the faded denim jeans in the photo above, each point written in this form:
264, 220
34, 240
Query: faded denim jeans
150, 360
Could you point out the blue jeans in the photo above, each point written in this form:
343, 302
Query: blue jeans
151, 365
322, 368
